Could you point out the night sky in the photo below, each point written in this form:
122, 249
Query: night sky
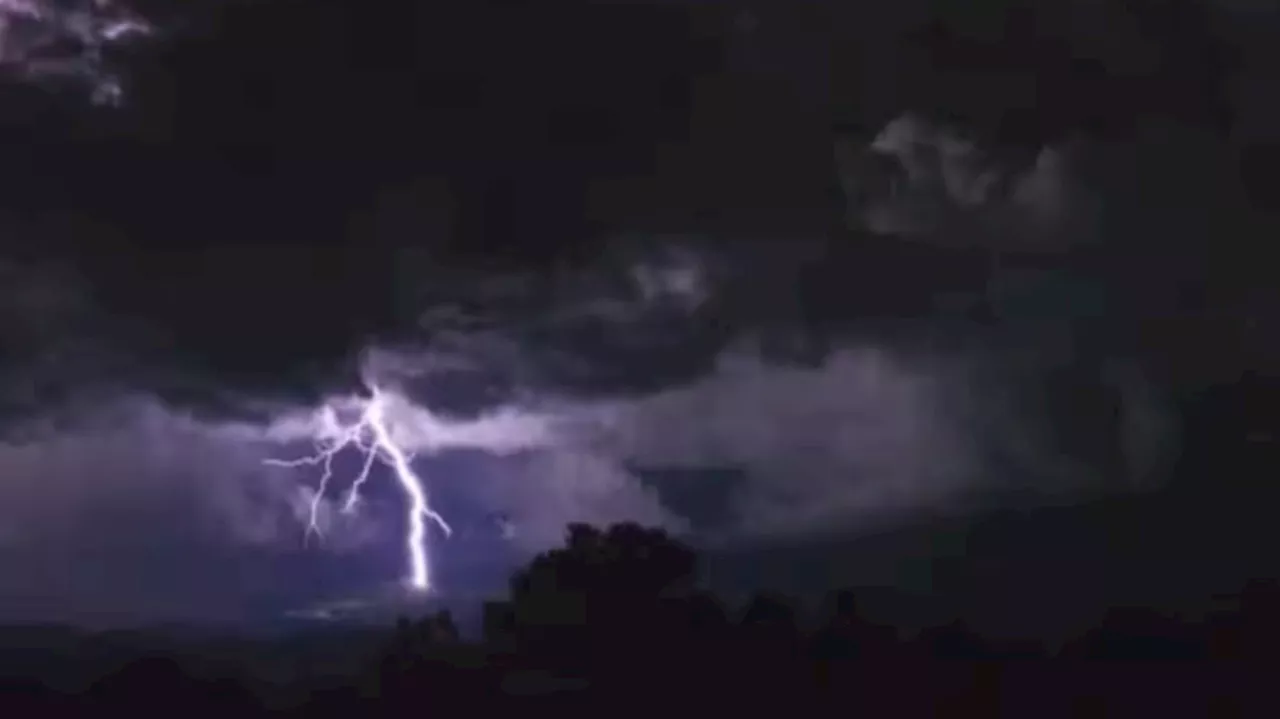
790, 280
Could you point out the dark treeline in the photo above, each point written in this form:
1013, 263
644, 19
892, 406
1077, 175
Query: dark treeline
617, 615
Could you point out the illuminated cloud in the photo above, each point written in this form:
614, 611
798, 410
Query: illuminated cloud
35, 36
542, 493
921, 180
859, 438
875, 431
124, 513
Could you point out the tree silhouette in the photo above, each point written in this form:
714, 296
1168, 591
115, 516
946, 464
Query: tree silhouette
602, 596
625, 559
1138, 634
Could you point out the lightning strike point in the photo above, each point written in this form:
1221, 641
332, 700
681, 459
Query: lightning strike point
371, 435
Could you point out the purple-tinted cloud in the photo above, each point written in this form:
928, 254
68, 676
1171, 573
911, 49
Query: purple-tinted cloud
870, 435
921, 181
35, 33
98, 518
116, 504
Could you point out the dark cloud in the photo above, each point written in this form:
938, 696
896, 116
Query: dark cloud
222, 220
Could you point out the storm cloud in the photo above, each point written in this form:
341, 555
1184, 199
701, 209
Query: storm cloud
874, 433
955, 344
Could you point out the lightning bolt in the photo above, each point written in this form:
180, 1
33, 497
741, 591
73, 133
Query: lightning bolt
370, 435
387, 427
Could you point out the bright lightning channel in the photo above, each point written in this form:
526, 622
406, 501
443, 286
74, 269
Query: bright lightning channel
370, 435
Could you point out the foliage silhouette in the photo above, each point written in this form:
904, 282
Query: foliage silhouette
616, 613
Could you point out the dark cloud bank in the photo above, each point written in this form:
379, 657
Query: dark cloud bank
733, 331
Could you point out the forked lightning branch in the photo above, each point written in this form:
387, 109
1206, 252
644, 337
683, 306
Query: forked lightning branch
386, 428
